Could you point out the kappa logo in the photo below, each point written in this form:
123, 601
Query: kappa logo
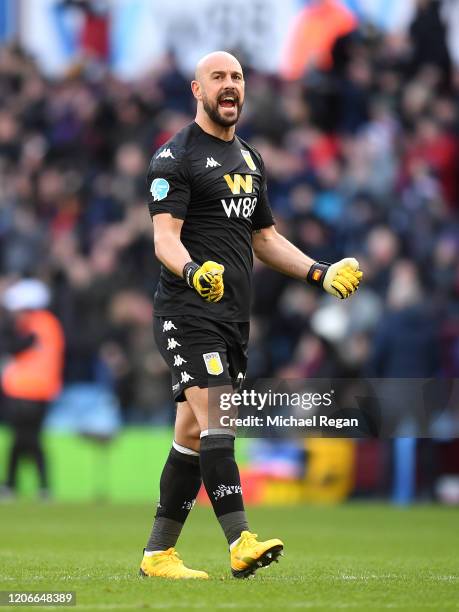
178, 360
166, 153
224, 490
172, 344
159, 189
213, 363
248, 159
238, 181
212, 163
185, 377
168, 325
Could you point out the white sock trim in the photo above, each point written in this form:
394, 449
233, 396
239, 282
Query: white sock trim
221, 431
184, 450
151, 553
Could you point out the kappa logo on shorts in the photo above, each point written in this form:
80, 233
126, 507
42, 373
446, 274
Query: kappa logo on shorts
168, 325
213, 363
172, 344
185, 377
178, 360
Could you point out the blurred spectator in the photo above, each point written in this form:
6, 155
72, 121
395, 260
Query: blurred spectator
314, 32
32, 376
406, 344
428, 35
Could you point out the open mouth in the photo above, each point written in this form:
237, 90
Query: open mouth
227, 101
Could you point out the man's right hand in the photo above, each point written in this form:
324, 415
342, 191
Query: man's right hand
207, 279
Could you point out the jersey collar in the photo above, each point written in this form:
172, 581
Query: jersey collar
198, 129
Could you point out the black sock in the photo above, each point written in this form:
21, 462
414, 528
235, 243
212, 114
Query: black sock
221, 478
179, 485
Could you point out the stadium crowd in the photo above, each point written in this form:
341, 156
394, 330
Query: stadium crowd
362, 161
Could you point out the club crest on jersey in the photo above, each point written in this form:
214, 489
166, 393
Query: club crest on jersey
248, 159
213, 363
159, 189
237, 181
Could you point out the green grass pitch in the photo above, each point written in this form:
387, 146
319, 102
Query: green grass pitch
356, 556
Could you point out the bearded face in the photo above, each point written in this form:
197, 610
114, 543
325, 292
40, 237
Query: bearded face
224, 107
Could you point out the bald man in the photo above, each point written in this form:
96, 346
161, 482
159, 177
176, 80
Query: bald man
210, 213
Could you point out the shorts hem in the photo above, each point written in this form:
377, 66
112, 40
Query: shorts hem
193, 315
208, 384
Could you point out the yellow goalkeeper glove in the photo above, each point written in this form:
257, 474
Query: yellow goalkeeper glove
206, 279
340, 279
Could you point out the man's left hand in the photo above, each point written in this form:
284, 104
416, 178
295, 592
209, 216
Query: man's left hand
340, 279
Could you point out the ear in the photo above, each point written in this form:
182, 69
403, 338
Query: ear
196, 89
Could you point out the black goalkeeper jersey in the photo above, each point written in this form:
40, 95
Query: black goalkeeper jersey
219, 189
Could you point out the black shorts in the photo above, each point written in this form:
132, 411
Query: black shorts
202, 352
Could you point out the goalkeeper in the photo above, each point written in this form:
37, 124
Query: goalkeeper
210, 213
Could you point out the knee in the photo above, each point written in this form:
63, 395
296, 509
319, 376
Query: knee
188, 436
189, 440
